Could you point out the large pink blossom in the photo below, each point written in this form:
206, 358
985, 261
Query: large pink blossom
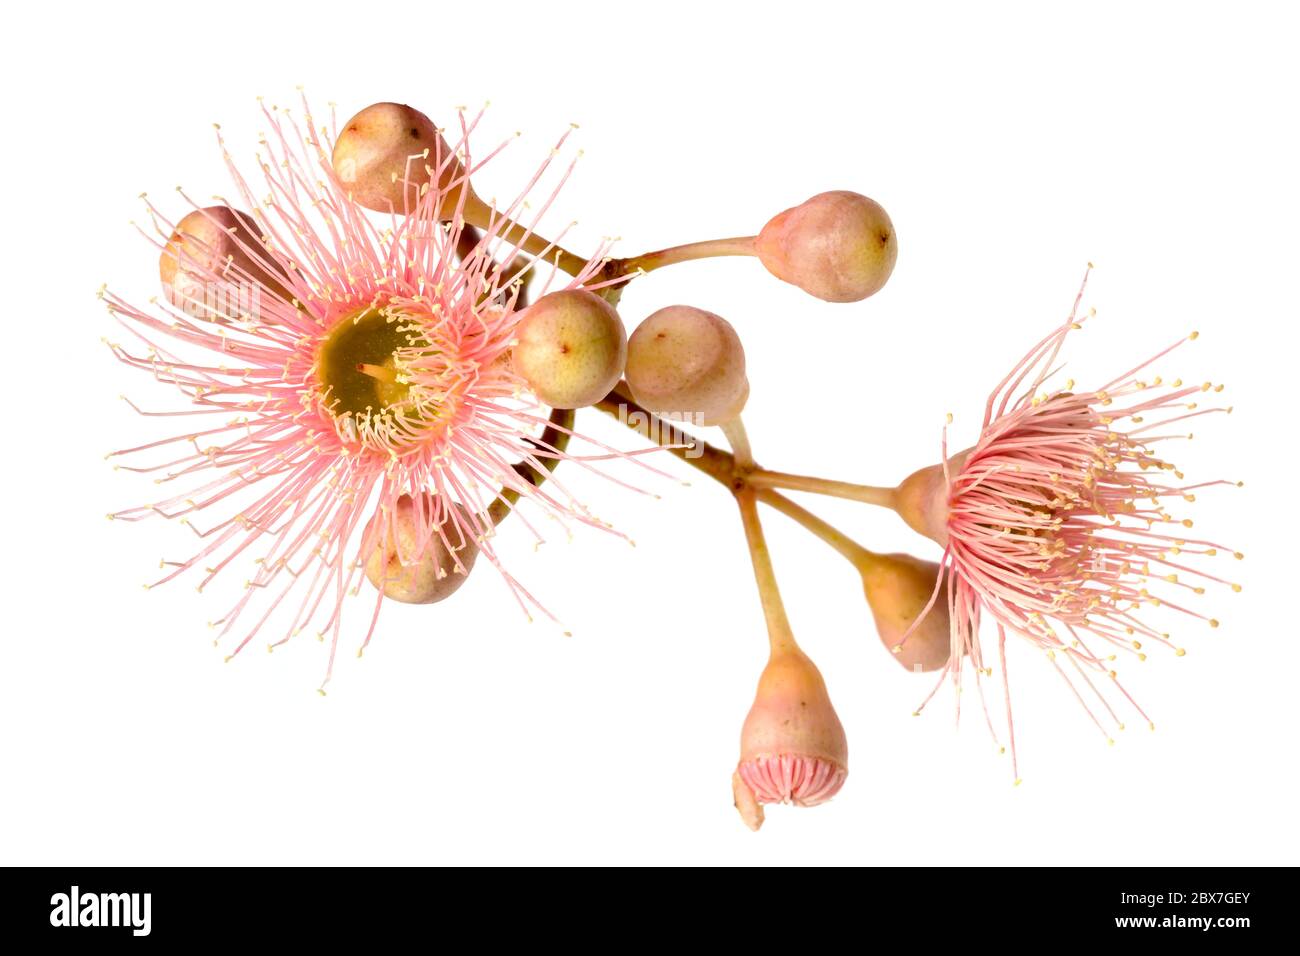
287, 456
1059, 525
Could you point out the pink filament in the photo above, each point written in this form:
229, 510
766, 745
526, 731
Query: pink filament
277, 478
792, 778
1056, 515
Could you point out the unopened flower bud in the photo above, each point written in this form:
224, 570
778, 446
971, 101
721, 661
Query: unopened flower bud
839, 246
421, 551
571, 348
215, 265
792, 747
380, 158
898, 589
687, 364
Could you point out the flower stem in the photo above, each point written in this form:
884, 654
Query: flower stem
649, 261
739, 441
556, 436
724, 469
779, 634
870, 494
480, 214
837, 539
714, 462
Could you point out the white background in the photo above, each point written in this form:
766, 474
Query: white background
1010, 146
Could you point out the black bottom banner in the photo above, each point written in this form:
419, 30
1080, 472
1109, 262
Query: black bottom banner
141, 907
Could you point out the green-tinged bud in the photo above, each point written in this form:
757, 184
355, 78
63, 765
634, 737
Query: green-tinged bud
571, 348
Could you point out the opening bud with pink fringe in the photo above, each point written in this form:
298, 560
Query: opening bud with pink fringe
792, 747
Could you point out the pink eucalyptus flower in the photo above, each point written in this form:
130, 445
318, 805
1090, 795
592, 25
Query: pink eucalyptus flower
1057, 526
375, 368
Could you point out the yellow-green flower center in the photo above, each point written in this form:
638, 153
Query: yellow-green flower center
359, 366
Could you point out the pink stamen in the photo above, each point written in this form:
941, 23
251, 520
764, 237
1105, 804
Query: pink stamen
289, 469
1053, 519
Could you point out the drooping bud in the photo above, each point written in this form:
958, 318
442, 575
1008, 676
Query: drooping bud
380, 158
571, 349
215, 265
898, 588
420, 551
839, 246
687, 364
792, 747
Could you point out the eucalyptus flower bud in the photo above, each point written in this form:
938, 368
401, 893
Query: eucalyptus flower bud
838, 246
421, 551
687, 364
380, 158
792, 747
571, 348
